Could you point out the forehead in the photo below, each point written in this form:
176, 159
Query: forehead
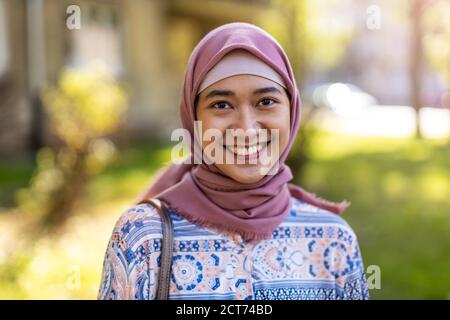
242, 80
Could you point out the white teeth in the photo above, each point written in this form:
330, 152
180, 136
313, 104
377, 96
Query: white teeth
243, 151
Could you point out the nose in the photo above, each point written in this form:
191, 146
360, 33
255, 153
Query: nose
247, 125
246, 119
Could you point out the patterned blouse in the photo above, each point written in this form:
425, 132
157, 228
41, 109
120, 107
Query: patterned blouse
313, 254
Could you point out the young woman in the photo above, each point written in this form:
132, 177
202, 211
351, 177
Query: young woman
240, 232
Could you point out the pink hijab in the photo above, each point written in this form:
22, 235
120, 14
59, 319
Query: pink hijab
201, 193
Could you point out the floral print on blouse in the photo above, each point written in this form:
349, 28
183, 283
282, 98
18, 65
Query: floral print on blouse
313, 254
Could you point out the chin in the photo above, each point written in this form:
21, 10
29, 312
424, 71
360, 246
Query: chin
245, 175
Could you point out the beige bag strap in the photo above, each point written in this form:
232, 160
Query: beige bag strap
162, 291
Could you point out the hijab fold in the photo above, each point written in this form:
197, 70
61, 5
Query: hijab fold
200, 192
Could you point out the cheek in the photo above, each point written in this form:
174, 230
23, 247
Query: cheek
282, 122
286, 132
211, 122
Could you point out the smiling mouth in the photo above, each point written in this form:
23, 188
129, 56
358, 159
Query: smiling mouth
248, 151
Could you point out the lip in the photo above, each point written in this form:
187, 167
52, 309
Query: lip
255, 155
246, 145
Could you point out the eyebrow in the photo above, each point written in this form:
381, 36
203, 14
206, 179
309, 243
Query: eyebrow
227, 93
215, 93
267, 90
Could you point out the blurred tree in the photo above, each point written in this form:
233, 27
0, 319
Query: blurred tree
86, 106
436, 40
430, 43
416, 58
313, 35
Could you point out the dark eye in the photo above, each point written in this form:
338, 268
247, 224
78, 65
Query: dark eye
221, 105
267, 102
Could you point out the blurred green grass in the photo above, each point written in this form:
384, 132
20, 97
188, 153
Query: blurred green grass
14, 174
400, 194
399, 189
47, 270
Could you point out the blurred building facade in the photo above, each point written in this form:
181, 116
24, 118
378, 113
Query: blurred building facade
377, 58
144, 43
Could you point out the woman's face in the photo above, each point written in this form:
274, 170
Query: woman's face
250, 103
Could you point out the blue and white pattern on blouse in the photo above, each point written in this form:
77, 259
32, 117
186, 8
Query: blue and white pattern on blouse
313, 254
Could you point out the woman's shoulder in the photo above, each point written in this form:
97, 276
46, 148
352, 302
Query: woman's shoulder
137, 221
308, 215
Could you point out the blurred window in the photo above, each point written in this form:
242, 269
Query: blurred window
98, 39
4, 48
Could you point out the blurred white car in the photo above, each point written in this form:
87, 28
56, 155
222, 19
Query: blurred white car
343, 98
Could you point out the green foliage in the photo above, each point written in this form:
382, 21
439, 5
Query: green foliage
400, 195
436, 24
310, 32
52, 267
399, 190
86, 106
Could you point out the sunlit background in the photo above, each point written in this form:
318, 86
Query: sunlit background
89, 94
